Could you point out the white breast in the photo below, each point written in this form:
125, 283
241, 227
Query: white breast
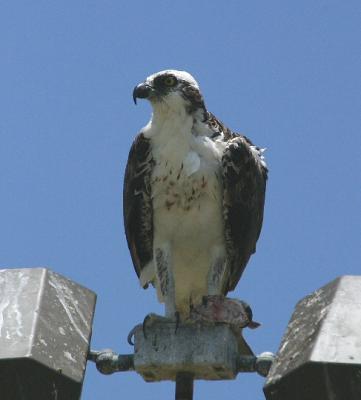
186, 175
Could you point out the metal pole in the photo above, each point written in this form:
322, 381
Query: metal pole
184, 386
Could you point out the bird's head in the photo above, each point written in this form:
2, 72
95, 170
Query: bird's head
172, 89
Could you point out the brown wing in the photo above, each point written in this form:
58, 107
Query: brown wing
244, 185
137, 203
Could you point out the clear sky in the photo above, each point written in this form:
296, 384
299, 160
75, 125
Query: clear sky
286, 73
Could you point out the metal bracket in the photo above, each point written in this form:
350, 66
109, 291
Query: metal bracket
108, 362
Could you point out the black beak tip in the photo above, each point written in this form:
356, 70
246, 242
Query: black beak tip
135, 95
141, 91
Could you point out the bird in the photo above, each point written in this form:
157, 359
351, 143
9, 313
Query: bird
193, 197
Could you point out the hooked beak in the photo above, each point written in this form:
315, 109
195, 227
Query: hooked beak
141, 91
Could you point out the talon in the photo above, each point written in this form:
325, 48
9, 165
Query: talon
131, 334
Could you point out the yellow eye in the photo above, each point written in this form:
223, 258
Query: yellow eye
170, 81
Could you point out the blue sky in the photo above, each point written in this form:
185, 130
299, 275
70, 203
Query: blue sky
285, 73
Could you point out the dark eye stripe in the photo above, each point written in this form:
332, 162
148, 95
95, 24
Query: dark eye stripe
165, 81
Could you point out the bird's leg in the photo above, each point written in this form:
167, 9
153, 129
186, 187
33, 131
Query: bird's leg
165, 278
212, 303
165, 288
216, 277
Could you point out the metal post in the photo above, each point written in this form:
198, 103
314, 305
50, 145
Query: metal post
184, 386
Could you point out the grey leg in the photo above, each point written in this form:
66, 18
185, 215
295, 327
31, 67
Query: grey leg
216, 276
165, 278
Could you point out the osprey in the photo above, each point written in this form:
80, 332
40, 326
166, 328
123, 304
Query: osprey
194, 195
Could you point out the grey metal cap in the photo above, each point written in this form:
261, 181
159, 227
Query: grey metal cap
320, 354
45, 329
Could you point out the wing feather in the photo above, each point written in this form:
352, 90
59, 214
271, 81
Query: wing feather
137, 203
244, 185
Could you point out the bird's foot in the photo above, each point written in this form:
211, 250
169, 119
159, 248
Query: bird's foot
152, 319
149, 320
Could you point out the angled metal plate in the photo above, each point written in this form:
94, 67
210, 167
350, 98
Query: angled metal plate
45, 330
320, 354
